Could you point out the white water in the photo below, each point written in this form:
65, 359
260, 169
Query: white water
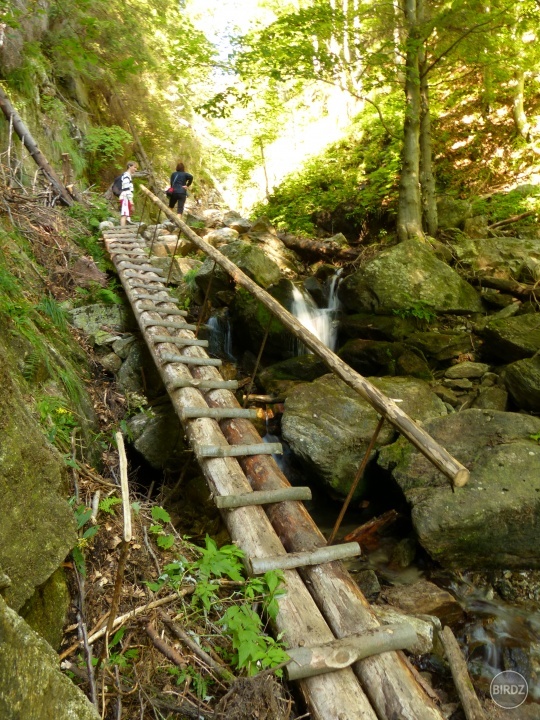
320, 321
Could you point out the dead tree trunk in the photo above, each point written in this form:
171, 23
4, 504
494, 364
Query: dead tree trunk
31, 145
315, 247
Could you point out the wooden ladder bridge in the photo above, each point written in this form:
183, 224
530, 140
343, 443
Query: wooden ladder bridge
326, 622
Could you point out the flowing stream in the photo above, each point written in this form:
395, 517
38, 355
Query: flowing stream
320, 321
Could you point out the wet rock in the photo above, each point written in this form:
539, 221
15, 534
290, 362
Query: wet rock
329, 426
251, 319
404, 553
369, 584
425, 598
377, 327
514, 338
425, 627
467, 369
410, 364
375, 357
522, 379
497, 299
491, 398
441, 346
405, 276
30, 677
316, 290
458, 383
493, 521
280, 378
446, 394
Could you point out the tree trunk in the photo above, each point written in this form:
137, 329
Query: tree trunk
427, 176
31, 145
409, 221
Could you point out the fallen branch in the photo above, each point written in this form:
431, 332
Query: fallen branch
164, 648
513, 219
365, 532
458, 666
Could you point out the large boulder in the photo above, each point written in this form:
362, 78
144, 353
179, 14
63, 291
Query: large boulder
251, 320
280, 378
32, 686
236, 222
376, 357
408, 278
249, 258
512, 338
93, 318
37, 526
522, 380
442, 346
329, 426
494, 521
377, 327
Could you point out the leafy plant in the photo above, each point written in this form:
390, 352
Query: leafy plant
419, 311
107, 143
107, 504
57, 420
160, 516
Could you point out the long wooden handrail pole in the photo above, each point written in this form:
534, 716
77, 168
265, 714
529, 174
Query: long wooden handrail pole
434, 452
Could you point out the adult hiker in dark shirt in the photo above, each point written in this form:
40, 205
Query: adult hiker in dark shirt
180, 181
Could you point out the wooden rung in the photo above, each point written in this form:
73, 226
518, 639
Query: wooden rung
170, 324
192, 360
134, 254
145, 285
338, 654
263, 497
164, 311
168, 299
218, 413
122, 244
142, 268
329, 553
179, 341
142, 275
203, 384
217, 451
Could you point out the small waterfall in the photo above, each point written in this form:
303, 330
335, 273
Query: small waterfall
320, 321
220, 336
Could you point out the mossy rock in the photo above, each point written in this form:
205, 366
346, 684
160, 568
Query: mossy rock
492, 522
329, 426
280, 378
408, 277
441, 346
47, 609
377, 327
512, 338
32, 685
522, 379
37, 527
373, 357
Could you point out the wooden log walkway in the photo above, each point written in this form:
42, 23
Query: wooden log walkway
322, 603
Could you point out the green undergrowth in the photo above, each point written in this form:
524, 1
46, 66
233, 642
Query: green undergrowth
225, 612
354, 179
503, 205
